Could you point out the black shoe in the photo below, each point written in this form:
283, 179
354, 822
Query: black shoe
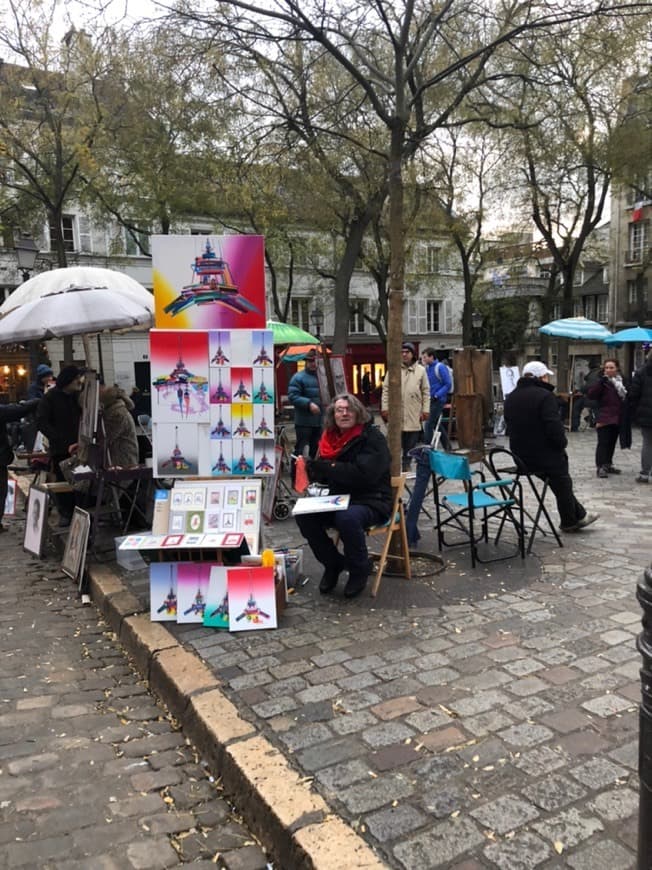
329, 579
602, 471
357, 581
611, 469
355, 584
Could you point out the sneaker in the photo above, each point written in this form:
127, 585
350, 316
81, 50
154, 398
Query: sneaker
643, 478
602, 471
611, 469
586, 520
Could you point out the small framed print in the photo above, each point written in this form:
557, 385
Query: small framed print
36, 521
74, 555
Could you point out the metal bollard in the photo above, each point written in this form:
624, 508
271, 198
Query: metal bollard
644, 646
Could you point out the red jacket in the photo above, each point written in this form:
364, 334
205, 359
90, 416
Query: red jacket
610, 405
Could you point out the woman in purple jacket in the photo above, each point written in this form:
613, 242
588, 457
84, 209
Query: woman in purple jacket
611, 395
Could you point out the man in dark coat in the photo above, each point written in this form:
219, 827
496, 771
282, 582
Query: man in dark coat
537, 437
303, 393
9, 414
57, 416
640, 398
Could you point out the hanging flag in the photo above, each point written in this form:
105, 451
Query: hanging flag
637, 212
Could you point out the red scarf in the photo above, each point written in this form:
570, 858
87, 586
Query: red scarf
332, 441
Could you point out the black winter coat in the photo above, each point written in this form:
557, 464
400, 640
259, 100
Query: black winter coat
57, 417
362, 469
640, 395
536, 431
9, 414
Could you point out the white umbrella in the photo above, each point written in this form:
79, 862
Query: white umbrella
60, 280
75, 311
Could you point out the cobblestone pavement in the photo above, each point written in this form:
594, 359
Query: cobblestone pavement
472, 719
468, 719
93, 773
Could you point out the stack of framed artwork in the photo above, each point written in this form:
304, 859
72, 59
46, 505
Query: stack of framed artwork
212, 370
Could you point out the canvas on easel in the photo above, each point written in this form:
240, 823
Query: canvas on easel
90, 407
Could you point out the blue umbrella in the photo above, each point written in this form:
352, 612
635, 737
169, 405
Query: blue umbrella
635, 335
576, 329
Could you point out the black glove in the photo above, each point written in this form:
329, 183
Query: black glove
316, 469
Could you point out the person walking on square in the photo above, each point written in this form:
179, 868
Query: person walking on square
538, 438
415, 401
440, 387
353, 458
57, 416
303, 393
9, 414
611, 394
640, 399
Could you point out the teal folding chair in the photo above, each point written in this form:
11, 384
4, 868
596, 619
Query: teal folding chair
471, 510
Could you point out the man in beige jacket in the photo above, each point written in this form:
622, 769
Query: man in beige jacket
415, 395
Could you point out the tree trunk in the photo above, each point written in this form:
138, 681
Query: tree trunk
396, 282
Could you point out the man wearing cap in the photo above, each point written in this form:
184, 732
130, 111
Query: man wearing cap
537, 436
303, 393
415, 400
57, 417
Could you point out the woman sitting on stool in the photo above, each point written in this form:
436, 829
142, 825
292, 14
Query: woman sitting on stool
353, 458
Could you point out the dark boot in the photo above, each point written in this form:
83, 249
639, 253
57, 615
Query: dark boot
357, 581
330, 577
602, 471
611, 469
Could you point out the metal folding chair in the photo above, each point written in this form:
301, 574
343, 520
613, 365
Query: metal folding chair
482, 501
501, 462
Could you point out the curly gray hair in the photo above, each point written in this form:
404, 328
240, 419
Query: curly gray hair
361, 414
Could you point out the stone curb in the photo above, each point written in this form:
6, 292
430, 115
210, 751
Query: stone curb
295, 822
278, 806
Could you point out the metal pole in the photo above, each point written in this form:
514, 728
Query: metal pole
644, 645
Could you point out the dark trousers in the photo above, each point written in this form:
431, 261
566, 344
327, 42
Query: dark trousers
436, 408
4, 487
65, 501
408, 441
607, 440
351, 525
570, 509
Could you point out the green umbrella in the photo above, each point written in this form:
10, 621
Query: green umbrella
286, 333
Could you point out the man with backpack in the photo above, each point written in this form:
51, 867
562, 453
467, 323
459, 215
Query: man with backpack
440, 386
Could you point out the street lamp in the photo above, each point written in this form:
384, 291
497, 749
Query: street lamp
317, 318
477, 320
26, 253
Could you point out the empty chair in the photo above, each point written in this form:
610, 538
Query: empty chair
463, 517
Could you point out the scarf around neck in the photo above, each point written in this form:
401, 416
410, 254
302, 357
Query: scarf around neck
332, 441
617, 381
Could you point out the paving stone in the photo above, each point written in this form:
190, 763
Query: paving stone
396, 707
246, 858
364, 664
306, 735
380, 791
440, 740
505, 814
484, 723
524, 851
340, 775
437, 677
554, 792
442, 843
479, 703
627, 755
314, 693
444, 801
388, 732
324, 755
605, 853
607, 705
391, 757
615, 805
427, 720
566, 721
598, 773
525, 735
583, 743
394, 822
351, 723
547, 758
274, 707
569, 827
